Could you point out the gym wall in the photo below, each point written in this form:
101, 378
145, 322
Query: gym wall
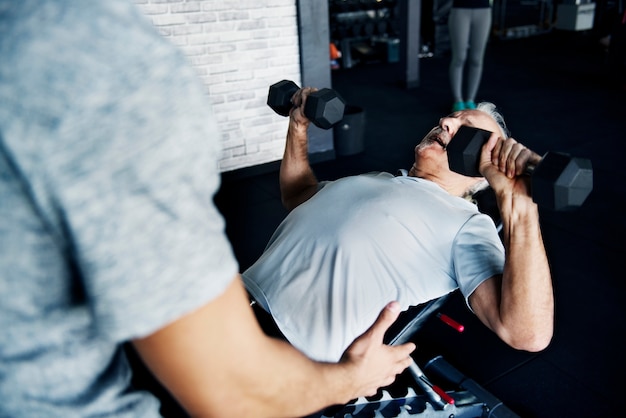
239, 48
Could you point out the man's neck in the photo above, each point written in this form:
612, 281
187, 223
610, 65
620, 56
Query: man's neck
455, 184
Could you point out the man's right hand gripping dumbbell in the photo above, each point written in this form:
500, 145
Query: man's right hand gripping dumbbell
324, 107
558, 181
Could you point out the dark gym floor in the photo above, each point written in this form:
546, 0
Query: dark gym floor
556, 93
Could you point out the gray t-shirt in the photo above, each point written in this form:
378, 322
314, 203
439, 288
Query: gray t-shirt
108, 231
361, 242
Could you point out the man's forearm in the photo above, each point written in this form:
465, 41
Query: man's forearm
217, 362
527, 303
297, 180
519, 304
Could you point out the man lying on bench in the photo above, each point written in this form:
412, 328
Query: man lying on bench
350, 246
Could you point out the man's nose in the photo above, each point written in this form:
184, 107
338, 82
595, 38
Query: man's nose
446, 124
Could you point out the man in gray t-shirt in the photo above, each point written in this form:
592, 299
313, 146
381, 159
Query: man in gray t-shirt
360, 241
109, 234
348, 246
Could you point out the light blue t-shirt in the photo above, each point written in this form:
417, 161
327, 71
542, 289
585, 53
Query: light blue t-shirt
362, 242
108, 231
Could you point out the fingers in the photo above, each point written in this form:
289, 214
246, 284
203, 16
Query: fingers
374, 364
488, 154
386, 317
510, 152
399, 353
373, 339
299, 97
510, 157
397, 359
381, 369
298, 101
403, 355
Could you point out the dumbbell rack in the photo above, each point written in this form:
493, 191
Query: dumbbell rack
364, 27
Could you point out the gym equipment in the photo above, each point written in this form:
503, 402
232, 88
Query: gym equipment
467, 400
558, 182
413, 394
441, 369
436, 395
324, 107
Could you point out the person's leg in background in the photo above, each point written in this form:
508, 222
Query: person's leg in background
480, 28
459, 28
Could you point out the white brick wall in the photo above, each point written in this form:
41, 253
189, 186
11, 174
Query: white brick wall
239, 48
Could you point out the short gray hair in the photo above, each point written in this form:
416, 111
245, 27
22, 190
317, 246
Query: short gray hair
490, 109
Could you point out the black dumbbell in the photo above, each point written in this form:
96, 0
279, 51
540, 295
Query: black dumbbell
324, 107
558, 181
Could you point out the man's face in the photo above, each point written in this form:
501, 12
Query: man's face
448, 126
430, 153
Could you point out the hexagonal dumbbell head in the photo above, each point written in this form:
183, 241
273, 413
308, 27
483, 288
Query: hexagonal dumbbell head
324, 108
561, 182
279, 96
464, 150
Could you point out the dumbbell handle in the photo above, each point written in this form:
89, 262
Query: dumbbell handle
558, 181
324, 107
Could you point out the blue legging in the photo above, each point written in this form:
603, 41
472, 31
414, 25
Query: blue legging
469, 31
